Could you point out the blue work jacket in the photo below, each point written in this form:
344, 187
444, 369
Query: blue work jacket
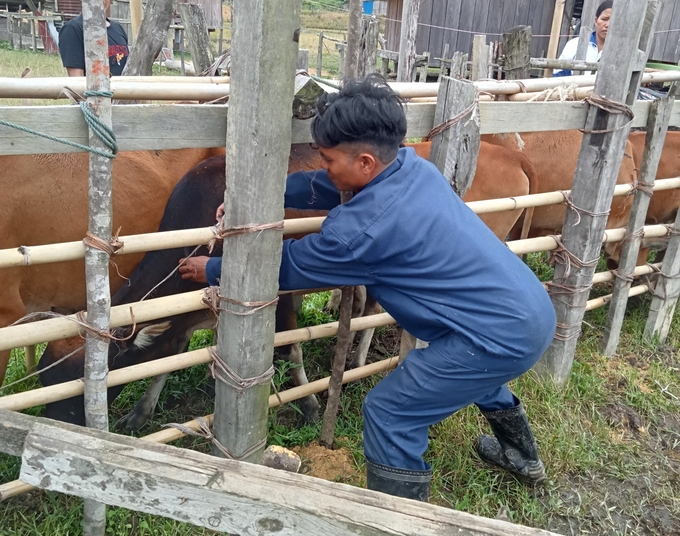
424, 255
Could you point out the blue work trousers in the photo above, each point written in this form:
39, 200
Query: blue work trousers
431, 384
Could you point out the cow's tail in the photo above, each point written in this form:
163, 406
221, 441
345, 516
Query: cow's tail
530, 172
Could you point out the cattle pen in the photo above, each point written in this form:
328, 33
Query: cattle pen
136, 128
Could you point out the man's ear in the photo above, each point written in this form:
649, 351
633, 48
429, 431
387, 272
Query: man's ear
368, 162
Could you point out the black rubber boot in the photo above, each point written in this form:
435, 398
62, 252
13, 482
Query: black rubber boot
514, 447
399, 482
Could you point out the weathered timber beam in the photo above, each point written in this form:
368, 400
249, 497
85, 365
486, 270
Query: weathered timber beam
187, 126
219, 494
572, 65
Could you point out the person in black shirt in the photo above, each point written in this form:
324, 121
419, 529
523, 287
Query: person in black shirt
72, 45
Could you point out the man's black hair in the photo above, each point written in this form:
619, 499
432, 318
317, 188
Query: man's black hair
366, 112
607, 4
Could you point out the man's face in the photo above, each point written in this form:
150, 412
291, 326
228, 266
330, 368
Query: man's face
347, 168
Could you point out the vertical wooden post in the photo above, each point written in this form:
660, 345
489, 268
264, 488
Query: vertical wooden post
455, 149
443, 63
152, 34
196, 29
342, 49
667, 289
136, 14
554, 34
422, 72
480, 57
96, 260
353, 38
587, 19
265, 36
319, 56
368, 46
407, 40
623, 63
657, 125
517, 48
303, 59
34, 38
458, 65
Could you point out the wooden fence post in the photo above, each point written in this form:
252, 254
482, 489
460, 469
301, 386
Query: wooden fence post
455, 149
151, 36
666, 291
657, 125
99, 229
368, 46
303, 59
422, 72
319, 55
136, 14
407, 40
264, 52
196, 31
342, 49
517, 49
353, 40
480, 58
554, 34
458, 65
623, 63
443, 61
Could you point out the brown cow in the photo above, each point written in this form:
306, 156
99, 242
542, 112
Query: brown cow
554, 156
44, 200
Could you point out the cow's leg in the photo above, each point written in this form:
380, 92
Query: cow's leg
30, 357
359, 355
143, 411
286, 320
11, 309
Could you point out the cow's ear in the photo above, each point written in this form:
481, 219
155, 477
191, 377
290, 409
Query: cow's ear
146, 336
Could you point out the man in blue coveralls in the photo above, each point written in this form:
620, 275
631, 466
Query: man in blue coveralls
434, 266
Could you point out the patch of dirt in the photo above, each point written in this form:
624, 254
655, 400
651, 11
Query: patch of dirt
335, 465
621, 416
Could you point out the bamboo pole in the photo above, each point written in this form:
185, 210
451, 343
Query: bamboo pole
136, 14
571, 94
216, 87
63, 327
68, 251
604, 300
16, 487
555, 33
54, 393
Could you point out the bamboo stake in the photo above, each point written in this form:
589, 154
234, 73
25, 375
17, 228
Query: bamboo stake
604, 300
96, 258
16, 487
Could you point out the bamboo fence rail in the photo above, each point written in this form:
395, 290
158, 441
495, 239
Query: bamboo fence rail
68, 251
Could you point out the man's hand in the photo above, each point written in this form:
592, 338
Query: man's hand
193, 269
220, 212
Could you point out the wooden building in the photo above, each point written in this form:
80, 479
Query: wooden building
456, 21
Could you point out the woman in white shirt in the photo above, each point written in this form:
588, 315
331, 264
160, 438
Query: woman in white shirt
597, 39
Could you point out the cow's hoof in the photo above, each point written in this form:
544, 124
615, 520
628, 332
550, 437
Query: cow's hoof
134, 420
309, 406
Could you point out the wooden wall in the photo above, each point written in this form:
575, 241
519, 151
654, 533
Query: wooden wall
455, 21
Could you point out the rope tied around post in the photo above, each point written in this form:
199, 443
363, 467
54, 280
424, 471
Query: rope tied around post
212, 298
578, 210
609, 106
111, 247
563, 332
220, 233
223, 372
205, 432
103, 334
644, 187
562, 255
446, 125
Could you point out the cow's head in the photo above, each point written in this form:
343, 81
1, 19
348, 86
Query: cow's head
147, 342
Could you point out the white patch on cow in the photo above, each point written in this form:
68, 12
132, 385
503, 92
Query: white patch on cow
520, 141
146, 335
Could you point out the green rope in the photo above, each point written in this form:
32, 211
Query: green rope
99, 128
325, 82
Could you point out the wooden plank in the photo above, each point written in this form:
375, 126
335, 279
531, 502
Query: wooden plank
222, 495
663, 24
657, 126
522, 13
480, 58
455, 149
424, 24
137, 126
544, 27
517, 50
495, 20
595, 178
672, 38
393, 24
437, 35
481, 15
452, 21
258, 144
536, 47
466, 24
508, 19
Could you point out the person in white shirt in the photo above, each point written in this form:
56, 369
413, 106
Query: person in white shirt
597, 39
